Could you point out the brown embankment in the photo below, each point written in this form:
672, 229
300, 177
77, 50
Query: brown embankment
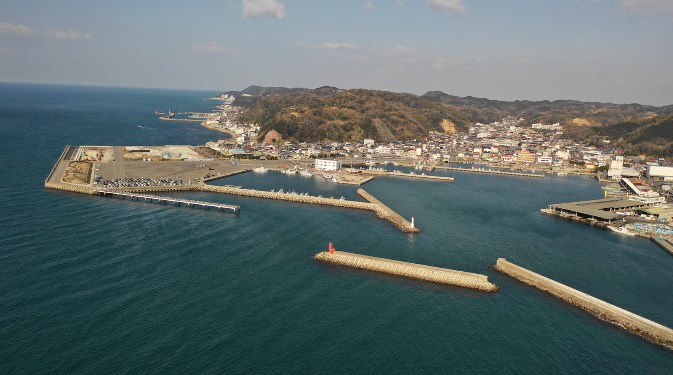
410, 270
385, 212
645, 328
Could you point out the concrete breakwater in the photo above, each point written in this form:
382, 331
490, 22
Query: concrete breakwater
485, 171
409, 175
385, 212
409, 270
645, 328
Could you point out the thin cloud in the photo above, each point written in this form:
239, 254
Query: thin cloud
9, 28
656, 7
211, 47
368, 5
332, 46
23, 30
450, 7
70, 35
263, 8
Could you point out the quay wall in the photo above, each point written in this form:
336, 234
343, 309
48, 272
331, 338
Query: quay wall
70, 188
60, 158
409, 270
663, 243
645, 328
385, 212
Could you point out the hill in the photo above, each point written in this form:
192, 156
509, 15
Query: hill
330, 113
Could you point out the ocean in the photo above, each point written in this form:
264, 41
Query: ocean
93, 285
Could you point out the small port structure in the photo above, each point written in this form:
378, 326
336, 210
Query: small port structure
645, 328
168, 200
409, 270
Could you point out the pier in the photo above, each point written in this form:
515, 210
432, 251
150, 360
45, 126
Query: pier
633, 323
165, 200
488, 171
409, 270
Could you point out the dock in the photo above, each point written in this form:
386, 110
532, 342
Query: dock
166, 200
409, 270
645, 328
489, 171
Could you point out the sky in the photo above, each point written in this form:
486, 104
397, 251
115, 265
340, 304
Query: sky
617, 51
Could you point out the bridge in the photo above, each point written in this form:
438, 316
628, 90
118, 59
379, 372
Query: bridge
165, 200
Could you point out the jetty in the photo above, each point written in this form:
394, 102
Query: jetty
409, 270
633, 323
381, 210
490, 171
385, 212
166, 200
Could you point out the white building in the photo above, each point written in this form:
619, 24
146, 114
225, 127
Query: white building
544, 159
327, 165
615, 171
657, 171
368, 142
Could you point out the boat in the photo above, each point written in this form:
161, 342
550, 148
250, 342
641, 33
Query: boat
260, 170
306, 173
327, 176
334, 179
290, 171
561, 173
621, 230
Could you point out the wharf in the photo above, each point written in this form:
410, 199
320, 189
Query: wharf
633, 323
409, 270
165, 200
484, 171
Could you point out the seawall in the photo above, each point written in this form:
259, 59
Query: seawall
409, 270
645, 328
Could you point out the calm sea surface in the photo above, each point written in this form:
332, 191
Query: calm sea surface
90, 285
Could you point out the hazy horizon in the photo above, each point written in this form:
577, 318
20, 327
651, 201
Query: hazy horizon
616, 51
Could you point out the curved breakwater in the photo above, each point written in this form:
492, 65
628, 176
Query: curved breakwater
409, 270
645, 328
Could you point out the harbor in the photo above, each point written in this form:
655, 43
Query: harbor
409, 270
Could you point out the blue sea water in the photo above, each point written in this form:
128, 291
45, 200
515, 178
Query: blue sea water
91, 285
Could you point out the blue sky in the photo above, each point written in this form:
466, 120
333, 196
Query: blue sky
594, 50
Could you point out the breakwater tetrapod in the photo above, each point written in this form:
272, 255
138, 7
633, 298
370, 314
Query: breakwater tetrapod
408, 270
649, 330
